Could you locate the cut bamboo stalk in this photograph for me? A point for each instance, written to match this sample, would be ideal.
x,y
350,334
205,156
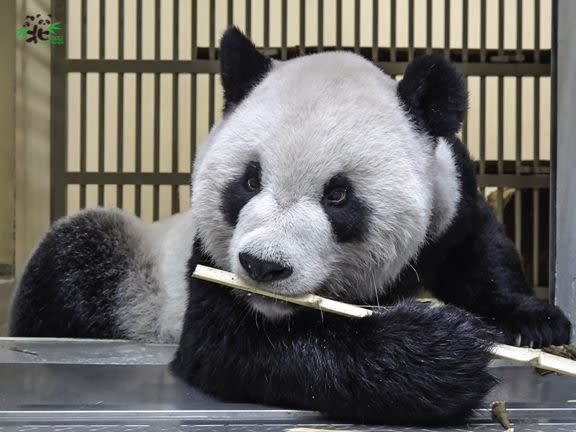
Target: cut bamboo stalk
x,y
310,300
527,356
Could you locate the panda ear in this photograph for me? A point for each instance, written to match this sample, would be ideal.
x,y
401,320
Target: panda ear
x,y
434,94
241,67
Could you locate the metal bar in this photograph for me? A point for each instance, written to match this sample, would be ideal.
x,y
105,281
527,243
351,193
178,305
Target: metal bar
x,y
284,31
193,121
536,193
540,181
465,122
138,135
392,31
447,27
554,124
230,12
156,155
482,138
302,27
500,165
194,21
519,28
266,23
101,100
320,25
565,154
500,27
410,30
357,26
83,103
212,56
212,66
58,127
537,31
518,162
483,31
338,24
248,18
120,125
193,94
127,178
375,30
465,32
175,91
428,26
494,180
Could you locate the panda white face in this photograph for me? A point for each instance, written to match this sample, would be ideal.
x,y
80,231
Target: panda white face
x,y
317,182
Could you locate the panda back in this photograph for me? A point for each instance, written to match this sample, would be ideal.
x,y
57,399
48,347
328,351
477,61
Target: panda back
x,y
89,277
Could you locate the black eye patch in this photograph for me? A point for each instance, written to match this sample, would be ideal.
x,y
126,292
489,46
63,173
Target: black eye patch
x,y
239,191
348,216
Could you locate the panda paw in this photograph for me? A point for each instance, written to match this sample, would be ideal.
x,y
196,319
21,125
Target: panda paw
x,y
535,323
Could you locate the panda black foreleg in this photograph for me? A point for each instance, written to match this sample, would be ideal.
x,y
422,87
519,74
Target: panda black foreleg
x,y
409,365
484,275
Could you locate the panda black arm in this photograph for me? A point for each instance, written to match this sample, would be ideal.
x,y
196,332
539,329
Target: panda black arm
x,y
484,275
411,364
474,265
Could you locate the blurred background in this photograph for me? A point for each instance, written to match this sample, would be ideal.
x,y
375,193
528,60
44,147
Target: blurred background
x,y
108,106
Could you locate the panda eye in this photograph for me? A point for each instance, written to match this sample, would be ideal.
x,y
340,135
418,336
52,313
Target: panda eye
x,y
336,196
253,184
252,177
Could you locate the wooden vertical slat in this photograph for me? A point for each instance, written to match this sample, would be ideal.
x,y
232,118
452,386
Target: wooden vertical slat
x,y
156,155
284,30
302,27
58,126
375,17
101,100
120,126
175,92
338,24
138,164
410,30
83,104
320,25
392,30
357,26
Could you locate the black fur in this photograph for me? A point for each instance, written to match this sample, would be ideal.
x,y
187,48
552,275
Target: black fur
x,y
237,194
475,266
241,66
411,364
434,94
349,220
71,280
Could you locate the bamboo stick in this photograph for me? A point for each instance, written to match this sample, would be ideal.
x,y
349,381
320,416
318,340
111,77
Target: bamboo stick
x,y
527,356
310,300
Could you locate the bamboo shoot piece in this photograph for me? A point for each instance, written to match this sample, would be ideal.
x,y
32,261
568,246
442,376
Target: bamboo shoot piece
x,y
528,356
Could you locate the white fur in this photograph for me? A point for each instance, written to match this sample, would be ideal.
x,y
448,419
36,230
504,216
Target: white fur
x,y
308,120
446,189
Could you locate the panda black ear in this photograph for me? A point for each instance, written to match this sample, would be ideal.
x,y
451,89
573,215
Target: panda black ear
x,y
434,93
241,66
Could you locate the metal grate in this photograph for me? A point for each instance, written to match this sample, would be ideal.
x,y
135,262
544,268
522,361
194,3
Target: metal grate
x,y
158,77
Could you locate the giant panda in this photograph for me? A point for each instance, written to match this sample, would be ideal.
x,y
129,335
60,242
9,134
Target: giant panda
x,y
324,176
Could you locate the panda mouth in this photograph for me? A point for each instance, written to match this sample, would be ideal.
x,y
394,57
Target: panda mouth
x,y
273,309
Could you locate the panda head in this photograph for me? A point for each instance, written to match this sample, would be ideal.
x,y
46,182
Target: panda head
x,y
325,175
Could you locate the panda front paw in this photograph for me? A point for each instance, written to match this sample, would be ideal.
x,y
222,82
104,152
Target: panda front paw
x,y
419,365
536,323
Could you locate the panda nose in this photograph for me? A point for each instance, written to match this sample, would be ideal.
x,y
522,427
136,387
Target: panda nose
x,y
263,271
